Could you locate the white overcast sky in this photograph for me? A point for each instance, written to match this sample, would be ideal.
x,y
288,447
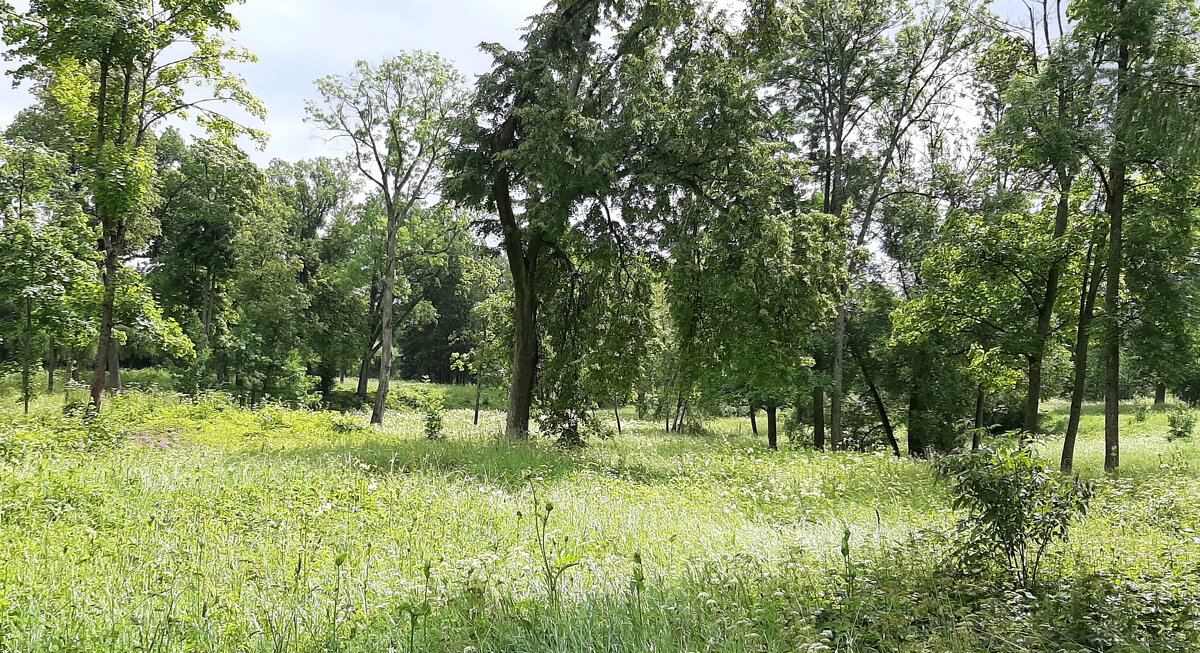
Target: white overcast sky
x,y
298,41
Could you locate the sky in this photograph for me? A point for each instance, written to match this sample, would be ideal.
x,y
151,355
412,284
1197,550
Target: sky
x,y
299,41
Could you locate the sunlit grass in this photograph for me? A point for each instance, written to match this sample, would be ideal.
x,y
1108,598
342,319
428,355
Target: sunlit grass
x,y
216,528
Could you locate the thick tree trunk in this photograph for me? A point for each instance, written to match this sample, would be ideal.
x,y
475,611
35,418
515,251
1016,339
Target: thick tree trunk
x,y
773,427
1160,394
114,370
1033,393
818,408
525,357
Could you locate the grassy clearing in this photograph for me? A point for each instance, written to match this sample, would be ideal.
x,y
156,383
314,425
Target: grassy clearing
x,y
170,526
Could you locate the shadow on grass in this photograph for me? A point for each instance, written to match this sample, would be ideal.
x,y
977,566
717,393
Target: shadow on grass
x,y
509,465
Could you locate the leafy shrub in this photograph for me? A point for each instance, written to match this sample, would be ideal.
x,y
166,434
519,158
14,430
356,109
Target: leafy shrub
x,y
433,404
1016,507
1181,423
345,424
1141,410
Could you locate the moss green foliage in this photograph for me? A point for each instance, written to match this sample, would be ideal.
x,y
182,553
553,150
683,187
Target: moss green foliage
x,y
174,524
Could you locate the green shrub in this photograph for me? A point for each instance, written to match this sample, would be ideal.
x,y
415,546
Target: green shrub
x,y
1181,423
1016,507
1141,410
433,404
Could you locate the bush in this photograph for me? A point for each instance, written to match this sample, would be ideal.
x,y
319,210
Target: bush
x,y
433,404
1181,422
1016,507
1141,410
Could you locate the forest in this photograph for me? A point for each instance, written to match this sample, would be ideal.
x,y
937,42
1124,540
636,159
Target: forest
x,y
688,325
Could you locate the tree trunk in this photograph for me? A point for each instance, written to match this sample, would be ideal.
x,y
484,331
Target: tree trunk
x,y
881,407
1088,293
1160,394
754,420
1115,207
525,357
114,370
835,396
364,374
773,427
1033,396
386,302
51,367
104,343
977,436
108,241
478,396
818,407
27,359
617,412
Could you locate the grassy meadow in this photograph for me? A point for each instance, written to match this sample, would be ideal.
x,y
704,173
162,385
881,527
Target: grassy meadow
x,y
178,525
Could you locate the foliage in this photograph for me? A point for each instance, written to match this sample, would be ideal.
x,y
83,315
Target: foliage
x,y
1181,421
1016,507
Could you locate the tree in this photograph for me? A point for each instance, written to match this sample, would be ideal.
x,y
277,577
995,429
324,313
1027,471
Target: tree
x,y
119,68
396,117
1146,82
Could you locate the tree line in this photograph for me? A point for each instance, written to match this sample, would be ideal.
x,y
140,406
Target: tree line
x,y
866,218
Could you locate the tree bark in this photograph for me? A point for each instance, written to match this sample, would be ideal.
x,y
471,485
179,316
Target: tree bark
x,y
818,407
881,407
835,395
1115,207
1033,396
104,340
773,427
1083,331
525,353
977,436
617,412
114,370
51,367
754,420
386,305
478,396
1160,394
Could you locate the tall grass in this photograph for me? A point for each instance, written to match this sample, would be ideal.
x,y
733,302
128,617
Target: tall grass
x,y
202,526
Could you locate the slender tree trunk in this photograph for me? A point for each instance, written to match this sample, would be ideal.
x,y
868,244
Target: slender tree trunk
x,y
818,407
754,419
1033,393
773,427
1033,396
1083,333
108,238
1115,207
27,363
881,407
835,395
478,396
385,328
977,436
51,367
1160,394
617,412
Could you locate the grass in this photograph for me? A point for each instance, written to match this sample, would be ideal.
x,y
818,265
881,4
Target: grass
x,y
169,525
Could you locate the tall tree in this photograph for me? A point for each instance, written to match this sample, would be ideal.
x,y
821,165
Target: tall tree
x,y
396,118
120,68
